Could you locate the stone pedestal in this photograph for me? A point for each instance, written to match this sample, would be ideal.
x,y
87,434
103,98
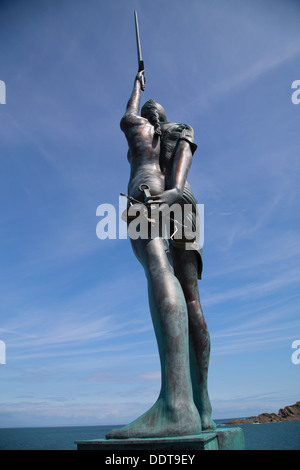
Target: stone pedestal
x,y
230,438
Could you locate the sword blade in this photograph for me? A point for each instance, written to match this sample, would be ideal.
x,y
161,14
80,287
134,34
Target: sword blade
x,y
138,43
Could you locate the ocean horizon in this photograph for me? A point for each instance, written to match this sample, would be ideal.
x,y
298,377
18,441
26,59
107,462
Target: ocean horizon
x,y
266,436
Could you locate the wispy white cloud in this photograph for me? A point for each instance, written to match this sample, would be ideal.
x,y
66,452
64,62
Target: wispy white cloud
x,y
255,290
153,375
257,69
243,74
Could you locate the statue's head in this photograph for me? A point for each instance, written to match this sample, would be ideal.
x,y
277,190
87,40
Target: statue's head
x,y
151,109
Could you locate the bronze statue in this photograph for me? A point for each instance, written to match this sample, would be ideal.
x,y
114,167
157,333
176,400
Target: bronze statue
x,y
160,155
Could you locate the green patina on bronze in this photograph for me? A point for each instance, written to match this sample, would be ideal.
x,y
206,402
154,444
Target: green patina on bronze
x,y
220,439
160,155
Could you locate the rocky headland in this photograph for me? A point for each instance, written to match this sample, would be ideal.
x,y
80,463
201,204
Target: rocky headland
x,y
288,413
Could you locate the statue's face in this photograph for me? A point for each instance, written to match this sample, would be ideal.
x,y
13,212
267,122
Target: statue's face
x,y
162,113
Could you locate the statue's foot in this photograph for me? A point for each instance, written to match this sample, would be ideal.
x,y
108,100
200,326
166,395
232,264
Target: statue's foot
x,y
205,409
161,421
207,423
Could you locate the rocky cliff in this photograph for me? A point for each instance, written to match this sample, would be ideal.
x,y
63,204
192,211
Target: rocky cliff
x,y
288,413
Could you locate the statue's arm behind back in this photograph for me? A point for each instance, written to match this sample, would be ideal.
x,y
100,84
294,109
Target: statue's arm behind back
x,y
182,161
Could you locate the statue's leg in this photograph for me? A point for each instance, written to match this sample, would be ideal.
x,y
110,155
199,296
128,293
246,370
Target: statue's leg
x,y
174,412
185,264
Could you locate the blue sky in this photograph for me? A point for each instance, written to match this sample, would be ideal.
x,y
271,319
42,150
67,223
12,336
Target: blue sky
x,y
80,348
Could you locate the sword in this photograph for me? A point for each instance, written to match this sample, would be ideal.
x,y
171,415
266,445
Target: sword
x,y
139,50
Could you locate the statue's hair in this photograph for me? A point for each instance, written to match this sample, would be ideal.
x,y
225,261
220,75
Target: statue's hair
x,y
157,128
155,113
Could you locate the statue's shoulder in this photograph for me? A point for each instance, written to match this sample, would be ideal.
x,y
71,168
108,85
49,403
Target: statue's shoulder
x,y
130,119
178,129
173,132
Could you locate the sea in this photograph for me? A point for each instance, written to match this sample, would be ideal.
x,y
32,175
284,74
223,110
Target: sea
x,y
266,436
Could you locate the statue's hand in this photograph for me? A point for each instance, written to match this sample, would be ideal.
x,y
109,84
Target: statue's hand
x,y
142,79
168,197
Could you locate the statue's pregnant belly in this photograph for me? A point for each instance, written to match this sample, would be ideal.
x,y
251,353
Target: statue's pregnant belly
x,y
155,181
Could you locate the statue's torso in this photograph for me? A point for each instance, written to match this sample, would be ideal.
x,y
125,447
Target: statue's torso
x,y
143,156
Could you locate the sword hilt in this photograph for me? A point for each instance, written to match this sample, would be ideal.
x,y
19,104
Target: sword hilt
x,y
146,190
141,66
